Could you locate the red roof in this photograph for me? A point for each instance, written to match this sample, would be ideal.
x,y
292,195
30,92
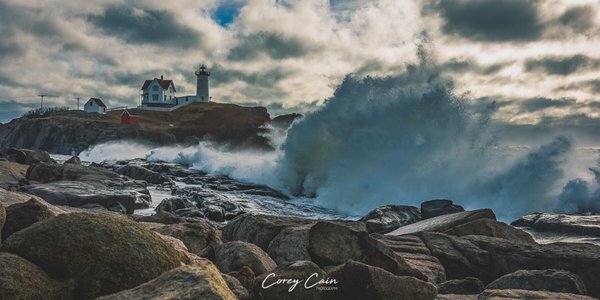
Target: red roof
x,y
127,112
163,83
98,101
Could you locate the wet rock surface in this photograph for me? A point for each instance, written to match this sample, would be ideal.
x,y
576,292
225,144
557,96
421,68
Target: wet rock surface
x,y
245,230
389,217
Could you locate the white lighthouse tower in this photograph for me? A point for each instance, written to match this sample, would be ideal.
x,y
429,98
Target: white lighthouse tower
x,y
202,84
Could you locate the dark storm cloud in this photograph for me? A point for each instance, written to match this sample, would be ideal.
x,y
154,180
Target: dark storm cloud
x,y
536,104
579,17
561,65
274,45
490,20
16,20
150,27
469,65
588,85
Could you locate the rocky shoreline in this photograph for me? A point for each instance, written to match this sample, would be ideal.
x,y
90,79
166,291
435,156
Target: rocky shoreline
x,y
68,232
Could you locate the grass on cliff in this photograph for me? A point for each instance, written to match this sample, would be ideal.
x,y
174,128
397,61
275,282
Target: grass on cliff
x,y
208,116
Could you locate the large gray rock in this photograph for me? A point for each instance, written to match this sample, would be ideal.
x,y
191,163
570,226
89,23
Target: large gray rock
x,y
414,252
195,235
44,172
259,229
444,222
389,217
20,279
2,220
438,207
172,204
538,280
492,228
77,194
141,173
291,244
199,281
304,272
23,215
466,286
356,280
25,156
233,256
489,258
103,253
331,244
529,295
550,222
240,292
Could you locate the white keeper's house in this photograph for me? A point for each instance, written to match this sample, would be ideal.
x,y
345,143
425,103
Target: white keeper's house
x,y
160,93
95,105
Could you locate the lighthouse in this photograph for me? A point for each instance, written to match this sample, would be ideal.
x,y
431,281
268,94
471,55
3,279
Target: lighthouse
x,y
202,84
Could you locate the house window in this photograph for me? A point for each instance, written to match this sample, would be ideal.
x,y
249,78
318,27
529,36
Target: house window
x,y
202,98
91,103
165,98
155,97
155,88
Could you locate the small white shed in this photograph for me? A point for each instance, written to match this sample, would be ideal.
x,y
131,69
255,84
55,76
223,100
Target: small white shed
x,y
95,105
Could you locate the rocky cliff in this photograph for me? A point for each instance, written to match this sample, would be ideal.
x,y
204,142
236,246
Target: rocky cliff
x,y
73,131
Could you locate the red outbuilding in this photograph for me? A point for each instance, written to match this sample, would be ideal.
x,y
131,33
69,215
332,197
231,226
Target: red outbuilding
x,y
128,118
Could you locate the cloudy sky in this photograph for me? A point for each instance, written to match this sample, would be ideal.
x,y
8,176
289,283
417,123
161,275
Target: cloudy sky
x,y
537,61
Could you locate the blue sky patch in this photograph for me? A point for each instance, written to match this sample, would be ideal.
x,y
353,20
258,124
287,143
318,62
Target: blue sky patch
x,y
227,12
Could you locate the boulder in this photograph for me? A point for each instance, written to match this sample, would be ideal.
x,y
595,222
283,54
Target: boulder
x,y
141,173
73,160
414,252
438,207
530,295
232,256
20,279
549,222
489,258
355,280
259,229
12,174
173,204
44,172
77,193
331,244
23,215
466,286
191,212
196,236
104,254
236,287
538,280
214,213
183,253
25,156
389,217
2,221
162,217
199,281
245,276
291,244
444,222
296,277
489,227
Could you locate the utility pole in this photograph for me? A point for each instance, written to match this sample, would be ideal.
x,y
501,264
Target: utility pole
x,y
42,99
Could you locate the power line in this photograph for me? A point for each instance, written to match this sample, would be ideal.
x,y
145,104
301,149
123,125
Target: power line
x,y
18,97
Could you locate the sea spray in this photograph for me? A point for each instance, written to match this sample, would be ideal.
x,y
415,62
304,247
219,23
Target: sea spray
x,y
400,139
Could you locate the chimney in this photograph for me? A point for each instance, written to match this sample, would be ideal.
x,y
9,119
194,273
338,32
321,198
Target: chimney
x,y
161,78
